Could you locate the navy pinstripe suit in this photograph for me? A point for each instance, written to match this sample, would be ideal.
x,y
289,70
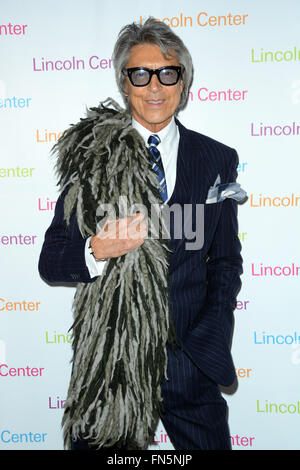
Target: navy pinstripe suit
x,y
203,288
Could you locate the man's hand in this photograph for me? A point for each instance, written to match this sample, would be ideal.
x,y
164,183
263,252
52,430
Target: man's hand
x,y
119,236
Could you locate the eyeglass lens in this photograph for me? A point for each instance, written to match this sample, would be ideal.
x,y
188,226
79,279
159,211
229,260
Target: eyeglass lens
x,y
166,76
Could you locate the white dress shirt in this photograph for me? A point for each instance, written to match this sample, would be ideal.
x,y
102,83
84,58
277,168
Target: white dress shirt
x,y
168,147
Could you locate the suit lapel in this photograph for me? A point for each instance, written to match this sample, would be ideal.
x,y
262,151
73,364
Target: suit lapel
x,y
191,182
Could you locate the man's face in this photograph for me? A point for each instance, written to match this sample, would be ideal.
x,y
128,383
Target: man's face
x,y
152,105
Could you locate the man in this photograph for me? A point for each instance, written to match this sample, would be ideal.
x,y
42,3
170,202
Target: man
x,y
154,73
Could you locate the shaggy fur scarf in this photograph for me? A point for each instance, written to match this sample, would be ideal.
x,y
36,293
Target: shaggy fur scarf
x,y
122,320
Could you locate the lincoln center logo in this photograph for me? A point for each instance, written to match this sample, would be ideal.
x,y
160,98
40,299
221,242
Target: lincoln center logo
x,y
203,19
13,29
72,63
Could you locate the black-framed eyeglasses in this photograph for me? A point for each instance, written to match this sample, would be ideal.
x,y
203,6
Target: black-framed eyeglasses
x,y
141,76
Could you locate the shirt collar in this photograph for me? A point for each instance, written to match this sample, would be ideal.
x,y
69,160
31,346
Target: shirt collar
x,y
167,135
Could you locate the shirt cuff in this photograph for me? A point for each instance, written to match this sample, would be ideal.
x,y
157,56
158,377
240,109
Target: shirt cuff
x,y
95,268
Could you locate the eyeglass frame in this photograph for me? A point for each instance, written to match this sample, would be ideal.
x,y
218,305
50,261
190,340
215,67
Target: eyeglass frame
x,y
156,72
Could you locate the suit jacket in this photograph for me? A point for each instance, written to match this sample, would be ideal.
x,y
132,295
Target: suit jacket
x,y
203,282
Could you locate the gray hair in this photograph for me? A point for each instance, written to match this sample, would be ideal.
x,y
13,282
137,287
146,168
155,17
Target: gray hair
x,y
153,32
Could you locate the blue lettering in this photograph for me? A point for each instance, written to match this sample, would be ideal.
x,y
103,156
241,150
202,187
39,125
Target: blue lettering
x,y
277,339
2,436
14,103
255,339
8,436
264,338
241,167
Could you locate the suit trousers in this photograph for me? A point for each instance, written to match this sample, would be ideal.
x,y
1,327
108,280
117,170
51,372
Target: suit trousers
x,y
195,413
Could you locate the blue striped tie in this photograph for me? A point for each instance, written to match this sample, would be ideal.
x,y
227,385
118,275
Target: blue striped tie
x,y
157,166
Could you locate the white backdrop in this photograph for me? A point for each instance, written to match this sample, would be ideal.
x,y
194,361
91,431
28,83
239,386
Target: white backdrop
x,y
249,47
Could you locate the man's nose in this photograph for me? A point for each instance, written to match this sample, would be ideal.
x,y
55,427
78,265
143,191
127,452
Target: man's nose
x,y
154,83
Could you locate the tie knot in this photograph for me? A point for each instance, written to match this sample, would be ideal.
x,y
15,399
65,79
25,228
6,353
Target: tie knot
x,y
153,139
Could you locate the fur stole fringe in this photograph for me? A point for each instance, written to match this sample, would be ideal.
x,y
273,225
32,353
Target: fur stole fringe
x,y
122,320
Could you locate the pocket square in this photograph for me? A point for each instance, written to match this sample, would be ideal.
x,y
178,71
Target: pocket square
x,y
218,192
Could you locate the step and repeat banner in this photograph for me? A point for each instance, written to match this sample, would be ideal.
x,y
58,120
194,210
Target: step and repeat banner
x,y
55,61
